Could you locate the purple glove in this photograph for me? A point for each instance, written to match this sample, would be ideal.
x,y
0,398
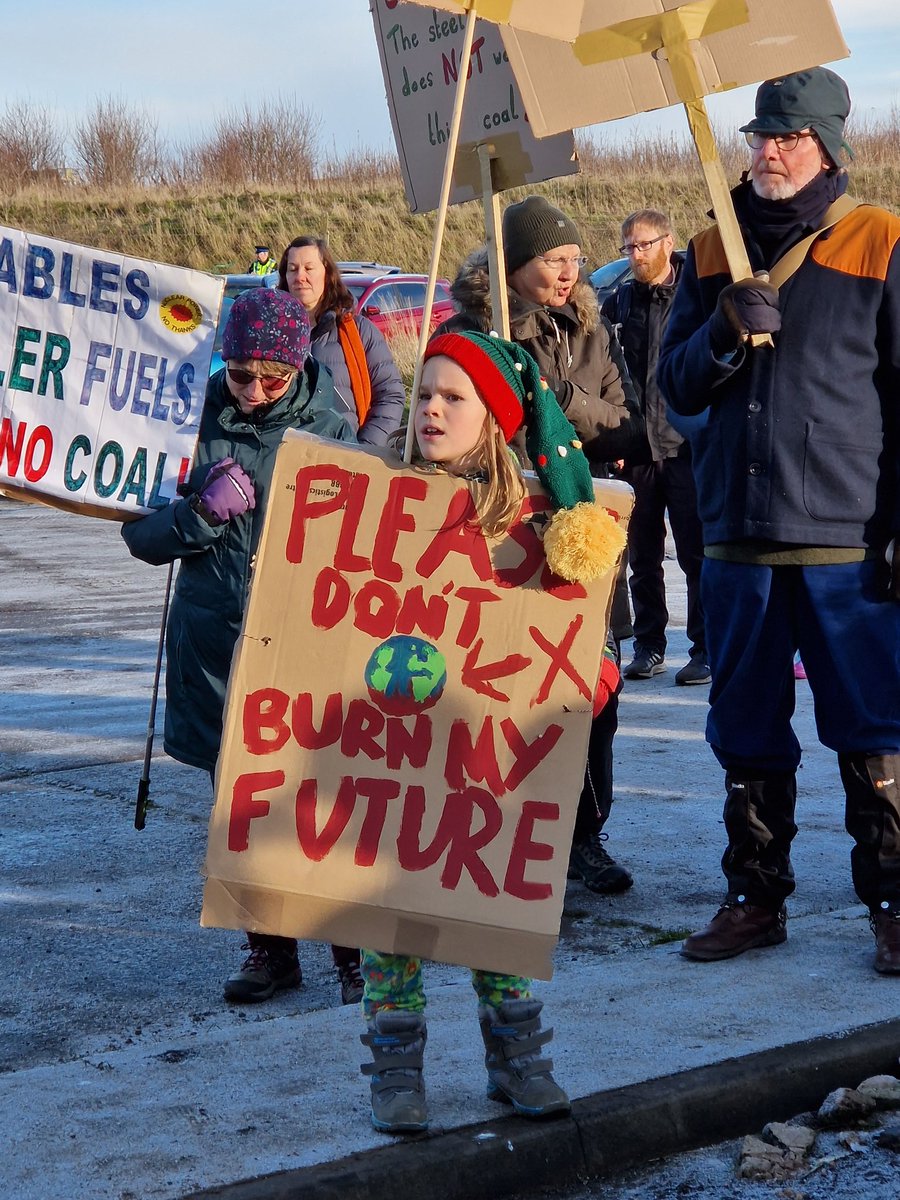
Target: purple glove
x,y
747,306
227,492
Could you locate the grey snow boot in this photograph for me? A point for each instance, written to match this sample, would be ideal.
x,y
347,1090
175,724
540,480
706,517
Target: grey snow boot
x,y
517,1074
397,1041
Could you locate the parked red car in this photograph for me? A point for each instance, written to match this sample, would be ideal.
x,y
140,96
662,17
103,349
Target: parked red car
x,y
394,302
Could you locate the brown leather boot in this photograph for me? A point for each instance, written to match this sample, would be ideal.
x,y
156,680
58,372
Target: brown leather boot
x,y
885,924
736,927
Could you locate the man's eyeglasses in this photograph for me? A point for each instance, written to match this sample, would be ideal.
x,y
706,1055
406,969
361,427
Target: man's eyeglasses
x,y
558,264
270,384
630,247
784,141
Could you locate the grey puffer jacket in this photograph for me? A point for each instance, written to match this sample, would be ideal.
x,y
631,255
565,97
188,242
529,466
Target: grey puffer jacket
x,y
211,587
572,348
388,394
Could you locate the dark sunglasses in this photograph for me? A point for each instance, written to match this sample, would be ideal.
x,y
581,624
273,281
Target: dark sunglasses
x,y
270,384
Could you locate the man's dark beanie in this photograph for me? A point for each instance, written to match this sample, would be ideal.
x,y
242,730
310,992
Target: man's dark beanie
x,y
532,227
816,99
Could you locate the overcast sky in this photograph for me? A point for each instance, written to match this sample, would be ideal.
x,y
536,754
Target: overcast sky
x,y
184,61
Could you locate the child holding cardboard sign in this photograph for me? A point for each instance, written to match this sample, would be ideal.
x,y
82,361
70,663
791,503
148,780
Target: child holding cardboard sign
x,y
477,392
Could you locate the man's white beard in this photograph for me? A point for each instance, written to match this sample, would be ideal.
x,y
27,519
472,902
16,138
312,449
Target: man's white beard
x,y
774,187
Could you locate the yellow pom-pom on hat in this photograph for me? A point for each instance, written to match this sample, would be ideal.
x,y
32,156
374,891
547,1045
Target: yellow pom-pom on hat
x,y
583,543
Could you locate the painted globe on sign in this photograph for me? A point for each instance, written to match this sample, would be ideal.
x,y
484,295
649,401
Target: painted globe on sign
x,y
405,675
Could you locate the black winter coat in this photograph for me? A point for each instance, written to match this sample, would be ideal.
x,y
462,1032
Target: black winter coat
x,y
639,314
214,572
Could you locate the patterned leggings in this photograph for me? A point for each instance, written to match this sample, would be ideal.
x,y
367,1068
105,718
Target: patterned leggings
x,y
395,981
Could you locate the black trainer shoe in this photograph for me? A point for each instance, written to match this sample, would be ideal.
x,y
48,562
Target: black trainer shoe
x,y
645,664
696,671
263,972
589,862
352,985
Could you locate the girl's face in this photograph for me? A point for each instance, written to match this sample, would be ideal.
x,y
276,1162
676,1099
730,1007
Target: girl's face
x,y
305,275
449,413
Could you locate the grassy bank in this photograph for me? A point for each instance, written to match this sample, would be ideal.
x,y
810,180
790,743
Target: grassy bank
x,y
366,216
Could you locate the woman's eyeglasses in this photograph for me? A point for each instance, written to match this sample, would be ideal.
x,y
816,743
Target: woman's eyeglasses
x,y
630,247
270,384
559,264
784,141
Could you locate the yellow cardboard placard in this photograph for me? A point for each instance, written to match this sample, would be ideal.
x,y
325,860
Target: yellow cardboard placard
x,y
668,52
561,19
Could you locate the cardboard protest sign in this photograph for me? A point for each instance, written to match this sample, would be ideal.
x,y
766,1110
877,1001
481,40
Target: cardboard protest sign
x,y
420,56
561,19
103,366
622,61
407,719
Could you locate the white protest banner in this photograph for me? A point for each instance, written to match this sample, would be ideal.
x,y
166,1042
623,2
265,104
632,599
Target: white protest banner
x,y
420,56
407,719
103,366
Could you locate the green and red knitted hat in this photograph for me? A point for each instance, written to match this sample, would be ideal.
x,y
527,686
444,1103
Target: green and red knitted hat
x,y
582,540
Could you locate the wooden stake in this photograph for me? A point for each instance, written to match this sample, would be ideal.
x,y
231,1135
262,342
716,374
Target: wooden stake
x,y
494,241
723,205
440,223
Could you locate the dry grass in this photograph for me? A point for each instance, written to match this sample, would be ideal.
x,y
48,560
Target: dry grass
x,y
357,203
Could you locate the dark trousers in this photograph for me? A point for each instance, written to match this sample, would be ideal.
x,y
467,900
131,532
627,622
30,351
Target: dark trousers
x,y
342,956
661,487
848,634
596,797
620,625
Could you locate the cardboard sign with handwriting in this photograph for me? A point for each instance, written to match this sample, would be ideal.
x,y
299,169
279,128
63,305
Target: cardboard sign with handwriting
x,y
420,60
407,719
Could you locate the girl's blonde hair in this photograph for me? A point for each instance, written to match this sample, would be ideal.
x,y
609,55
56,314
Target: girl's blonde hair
x,y
491,472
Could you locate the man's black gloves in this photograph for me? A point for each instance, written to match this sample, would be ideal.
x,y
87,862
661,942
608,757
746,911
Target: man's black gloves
x,y
745,307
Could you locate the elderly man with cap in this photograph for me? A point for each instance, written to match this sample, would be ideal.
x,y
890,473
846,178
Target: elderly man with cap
x,y
553,313
797,466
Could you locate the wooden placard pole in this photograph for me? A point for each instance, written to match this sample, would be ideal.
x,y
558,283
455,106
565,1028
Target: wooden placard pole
x,y
719,191
677,44
494,242
673,33
440,223
722,204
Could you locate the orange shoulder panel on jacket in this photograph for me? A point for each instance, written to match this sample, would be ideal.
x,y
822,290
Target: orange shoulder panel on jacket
x,y
861,244
709,253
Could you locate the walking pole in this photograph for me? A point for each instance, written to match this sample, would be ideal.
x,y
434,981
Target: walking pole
x,y
143,792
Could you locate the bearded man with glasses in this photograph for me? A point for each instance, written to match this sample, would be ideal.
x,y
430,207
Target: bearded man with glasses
x,y
659,468
798,477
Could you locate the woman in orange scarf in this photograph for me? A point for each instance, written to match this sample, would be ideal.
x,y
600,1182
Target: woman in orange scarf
x,y
366,378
